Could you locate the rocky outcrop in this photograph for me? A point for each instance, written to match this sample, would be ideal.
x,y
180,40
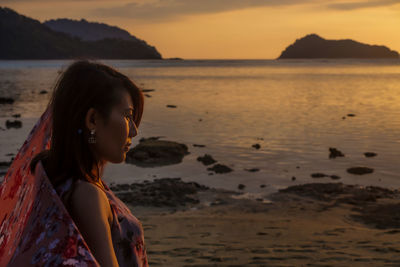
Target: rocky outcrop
x,y
152,152
313,46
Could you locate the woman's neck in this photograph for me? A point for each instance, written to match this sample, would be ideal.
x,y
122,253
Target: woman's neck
x,y
97,171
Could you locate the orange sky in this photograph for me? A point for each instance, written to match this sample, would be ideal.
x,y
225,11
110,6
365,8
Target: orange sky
x,y
230,29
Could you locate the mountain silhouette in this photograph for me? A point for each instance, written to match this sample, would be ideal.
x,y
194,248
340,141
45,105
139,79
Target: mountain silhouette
x,y
26,38
88,31
313,46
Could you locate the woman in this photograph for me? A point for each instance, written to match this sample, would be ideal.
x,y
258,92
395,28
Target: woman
x,y
93,115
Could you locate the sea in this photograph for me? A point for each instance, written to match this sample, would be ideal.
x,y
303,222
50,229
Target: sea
x,y
295,110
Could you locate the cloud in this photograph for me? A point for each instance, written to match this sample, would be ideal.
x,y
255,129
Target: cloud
x,y
163,9
363,4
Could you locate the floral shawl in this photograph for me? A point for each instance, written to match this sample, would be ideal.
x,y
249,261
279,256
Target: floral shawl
x,y
35,227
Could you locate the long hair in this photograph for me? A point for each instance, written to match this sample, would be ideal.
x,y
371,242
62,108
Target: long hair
x,y
84,84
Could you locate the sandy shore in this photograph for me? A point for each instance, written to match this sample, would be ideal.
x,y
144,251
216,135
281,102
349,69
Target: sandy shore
x,y
306,225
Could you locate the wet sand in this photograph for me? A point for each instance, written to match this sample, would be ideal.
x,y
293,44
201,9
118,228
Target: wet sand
x,y
307,225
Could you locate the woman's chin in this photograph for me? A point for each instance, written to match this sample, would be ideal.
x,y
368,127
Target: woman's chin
x,y
119,160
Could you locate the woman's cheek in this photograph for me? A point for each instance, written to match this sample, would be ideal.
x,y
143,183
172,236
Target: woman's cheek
x,y
123,131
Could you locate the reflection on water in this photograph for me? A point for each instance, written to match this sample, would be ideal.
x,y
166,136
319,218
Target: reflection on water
x,y
294,109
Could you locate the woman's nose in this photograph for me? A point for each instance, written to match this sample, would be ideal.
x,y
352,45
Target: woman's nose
x,y
133,131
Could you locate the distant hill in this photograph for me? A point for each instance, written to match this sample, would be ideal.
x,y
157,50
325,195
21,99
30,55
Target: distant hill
x,y
25,38
313,46
88,31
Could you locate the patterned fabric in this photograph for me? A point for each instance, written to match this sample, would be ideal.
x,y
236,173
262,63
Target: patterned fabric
x,y
126,230
35,226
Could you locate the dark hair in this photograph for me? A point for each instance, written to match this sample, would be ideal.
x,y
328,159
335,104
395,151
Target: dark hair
x,y
84,84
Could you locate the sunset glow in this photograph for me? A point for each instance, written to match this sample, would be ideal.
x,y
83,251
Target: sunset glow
x,y
230,29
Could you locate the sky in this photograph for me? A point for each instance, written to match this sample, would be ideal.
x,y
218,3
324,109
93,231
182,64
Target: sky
x,y
230,29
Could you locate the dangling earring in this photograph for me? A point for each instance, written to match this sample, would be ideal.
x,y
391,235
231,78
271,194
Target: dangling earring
x,y
92,138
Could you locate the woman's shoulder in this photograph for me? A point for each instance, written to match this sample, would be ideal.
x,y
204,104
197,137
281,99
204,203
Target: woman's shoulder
x,y
88,198
85,191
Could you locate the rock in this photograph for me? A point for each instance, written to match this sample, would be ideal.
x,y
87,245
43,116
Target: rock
x,y
5,163
170,192
351,115
120,187
152,152
43,92
293,178
318,175
340,192
252,170
6,100
335,153
369,154
321,175
360,170
206,159
147,95
381,216
148,90
13,124
376,206
256,146
16,115
219,168
171,106
241,186
195,145
262,185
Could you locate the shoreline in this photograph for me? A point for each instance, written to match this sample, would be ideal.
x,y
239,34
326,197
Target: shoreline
x,y
313,224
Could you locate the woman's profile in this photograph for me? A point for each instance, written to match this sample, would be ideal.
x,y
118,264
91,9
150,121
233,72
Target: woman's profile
x,y
67,215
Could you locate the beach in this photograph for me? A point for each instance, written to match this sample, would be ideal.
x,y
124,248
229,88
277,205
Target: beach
x,y
305,158
308,225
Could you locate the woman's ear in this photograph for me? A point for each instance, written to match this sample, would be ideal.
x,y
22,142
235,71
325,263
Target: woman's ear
x,y
91,119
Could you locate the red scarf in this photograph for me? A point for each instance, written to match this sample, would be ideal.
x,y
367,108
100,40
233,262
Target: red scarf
x,y
35,227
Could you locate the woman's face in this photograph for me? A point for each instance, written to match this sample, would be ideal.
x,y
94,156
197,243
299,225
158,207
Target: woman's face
x,y
114,138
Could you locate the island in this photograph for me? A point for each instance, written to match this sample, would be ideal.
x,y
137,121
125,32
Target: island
x,y
26,38
314,46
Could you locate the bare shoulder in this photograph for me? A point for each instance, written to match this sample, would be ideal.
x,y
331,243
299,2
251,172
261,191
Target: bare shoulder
x,y
89,199
91,212
86,191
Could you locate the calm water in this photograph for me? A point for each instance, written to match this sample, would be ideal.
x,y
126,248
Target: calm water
x,y
293,109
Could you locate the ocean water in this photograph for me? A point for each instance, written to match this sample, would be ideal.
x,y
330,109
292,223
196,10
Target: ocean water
x,y
294,109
